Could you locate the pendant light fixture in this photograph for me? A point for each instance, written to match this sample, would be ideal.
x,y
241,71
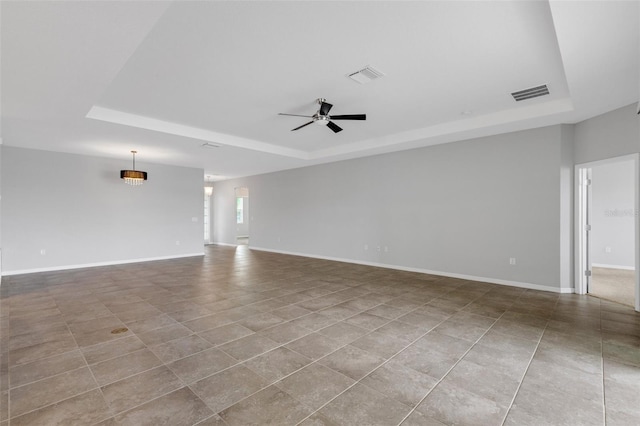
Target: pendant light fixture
x,y
133,177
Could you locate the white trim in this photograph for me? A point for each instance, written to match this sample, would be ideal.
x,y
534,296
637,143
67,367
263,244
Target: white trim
x,y
604,265
93,265
581,197
128,119
426,271
579,246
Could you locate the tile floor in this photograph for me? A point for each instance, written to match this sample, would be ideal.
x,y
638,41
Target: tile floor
x,y
241,337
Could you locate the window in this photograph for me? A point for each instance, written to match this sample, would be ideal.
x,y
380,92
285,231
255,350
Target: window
x,y
239,210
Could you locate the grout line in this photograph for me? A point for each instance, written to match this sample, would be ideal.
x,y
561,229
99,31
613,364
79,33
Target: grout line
x,y
72,396
604,388
389,359
526,370
415,407
324,356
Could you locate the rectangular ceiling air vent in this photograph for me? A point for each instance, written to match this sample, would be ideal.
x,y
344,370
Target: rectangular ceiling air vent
x,y
533,92
365,75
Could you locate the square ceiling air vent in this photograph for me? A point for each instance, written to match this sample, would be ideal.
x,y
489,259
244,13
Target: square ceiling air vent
x,y
533,92
365,75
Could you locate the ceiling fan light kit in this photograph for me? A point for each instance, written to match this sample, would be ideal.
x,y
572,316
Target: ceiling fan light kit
x,y
322,117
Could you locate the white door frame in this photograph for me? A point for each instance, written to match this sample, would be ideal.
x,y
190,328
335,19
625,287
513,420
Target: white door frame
x,y
583,228
581,249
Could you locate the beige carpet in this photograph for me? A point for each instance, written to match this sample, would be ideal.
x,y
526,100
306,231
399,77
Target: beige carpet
x,y
616,285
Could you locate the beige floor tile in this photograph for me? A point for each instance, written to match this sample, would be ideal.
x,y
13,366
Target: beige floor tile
x,y
136,390
416,418
50,390
399,382
214,420
261,321
179,408
546,405
150,323
367,321
452,404
180,348
87,408
277,363
40,336
314,346
190,314
315,385
511,363
202,364
401,330
314,322
225,334
380,344
163,335
207,323
352,362
124,366
47,367
284,333
271,406
317,420
248,347
386,311
339,312
421,320
116,348
361,405
228,387
343,333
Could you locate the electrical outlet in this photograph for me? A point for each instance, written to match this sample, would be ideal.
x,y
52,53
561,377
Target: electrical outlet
x,y
43,251
194,219
177,243
366,247
512,261
607,249
386,249
378,248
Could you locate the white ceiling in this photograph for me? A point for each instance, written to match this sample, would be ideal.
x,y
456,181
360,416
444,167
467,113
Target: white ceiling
x,y
102,78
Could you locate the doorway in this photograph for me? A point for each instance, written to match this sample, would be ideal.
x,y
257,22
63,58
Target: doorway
x,y
242,216
608,230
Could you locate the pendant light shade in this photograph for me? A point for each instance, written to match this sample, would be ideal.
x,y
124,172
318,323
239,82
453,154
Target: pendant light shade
x,y
133,177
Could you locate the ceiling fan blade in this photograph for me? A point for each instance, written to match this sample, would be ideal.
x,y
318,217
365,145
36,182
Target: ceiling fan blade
x,y
325,108
295,115
300,127
334,127
349,117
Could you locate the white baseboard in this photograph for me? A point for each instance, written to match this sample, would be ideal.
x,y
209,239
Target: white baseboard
x,y
428,271
604,265
92,265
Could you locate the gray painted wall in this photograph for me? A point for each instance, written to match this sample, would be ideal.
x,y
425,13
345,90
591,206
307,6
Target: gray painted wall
x,y
613,209
458,208
79,210
0,211
609,135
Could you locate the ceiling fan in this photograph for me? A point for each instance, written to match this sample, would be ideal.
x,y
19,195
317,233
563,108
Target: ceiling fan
x,y
322,117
